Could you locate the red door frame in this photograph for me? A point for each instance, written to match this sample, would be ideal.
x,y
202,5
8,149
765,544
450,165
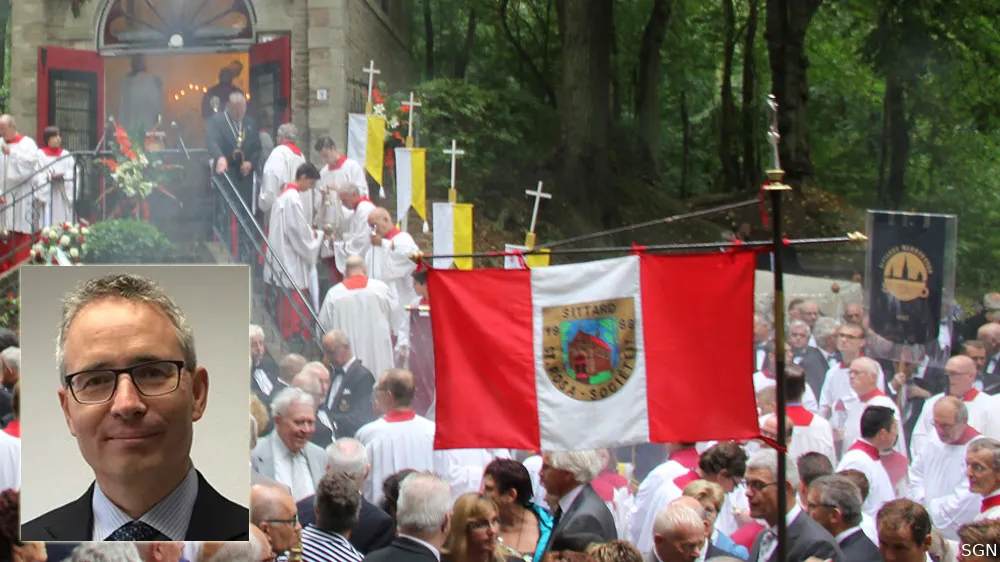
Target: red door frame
x,y
70,61
277,51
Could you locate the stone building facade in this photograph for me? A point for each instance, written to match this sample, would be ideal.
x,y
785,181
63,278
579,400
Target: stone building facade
x,y
331,42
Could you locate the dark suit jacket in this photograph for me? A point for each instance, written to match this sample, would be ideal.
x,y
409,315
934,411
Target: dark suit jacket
x,y
714,551
374,529
214,519
270,369
402,550
991,384
352,405
815,366
805,538
587,514
859,548
222,142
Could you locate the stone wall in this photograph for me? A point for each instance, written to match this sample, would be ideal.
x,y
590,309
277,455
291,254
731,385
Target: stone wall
x,y
381,36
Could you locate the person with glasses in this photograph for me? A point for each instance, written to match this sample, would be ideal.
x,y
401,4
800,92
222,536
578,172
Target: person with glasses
x,y
961,372
863,379
273,511
711,497
805,537
983,469
475,530
835,503
879,432
765,378
837,385
131,391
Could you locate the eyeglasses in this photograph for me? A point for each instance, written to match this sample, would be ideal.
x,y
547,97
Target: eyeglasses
x,y
293,521
153,378
484,524
757,485
850,337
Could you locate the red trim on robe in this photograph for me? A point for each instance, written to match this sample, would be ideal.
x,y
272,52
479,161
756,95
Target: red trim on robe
x,y
866,448
685,479
355,282
424,302
288,187
291,146
970,395
896,465
393,416
688,458
290,320
989,503
336,165
51,152
392,233
869,395
606,483
17,138
767,373
969,434
839,406
361,200
14,428
799,415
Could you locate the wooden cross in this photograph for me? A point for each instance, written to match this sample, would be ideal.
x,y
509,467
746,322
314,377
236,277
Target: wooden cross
x,y
371,71
409,131
455,153
538,194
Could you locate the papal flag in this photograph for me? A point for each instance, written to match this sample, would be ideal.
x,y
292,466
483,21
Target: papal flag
x,y
452,234
366,142
530,260
411,183
599,354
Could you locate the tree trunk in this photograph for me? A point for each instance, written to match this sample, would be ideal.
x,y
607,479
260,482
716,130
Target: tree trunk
x,y
647,101
727,120
787,24
899,142
585,111
685,144
751,135
462,60
428,42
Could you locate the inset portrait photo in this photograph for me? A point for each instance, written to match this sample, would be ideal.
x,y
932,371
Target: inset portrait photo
x,y
134,403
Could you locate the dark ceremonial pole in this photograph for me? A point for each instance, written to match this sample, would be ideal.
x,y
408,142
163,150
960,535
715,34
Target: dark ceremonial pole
x,y
775,187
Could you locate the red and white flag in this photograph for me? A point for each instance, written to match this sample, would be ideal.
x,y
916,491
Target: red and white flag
x,y
608,353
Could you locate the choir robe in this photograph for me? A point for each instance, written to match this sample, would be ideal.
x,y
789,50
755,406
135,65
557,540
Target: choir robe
x,y
279,171
58,194
938,481
680,462
463,468
297,246
847,416
990,507
764,379
992,421
863,456
837,386
345,172
18,166
976,402
357,237
362,308
392,265
668,491
400,439
812,433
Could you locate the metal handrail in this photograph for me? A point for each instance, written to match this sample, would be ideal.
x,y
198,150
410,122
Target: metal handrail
x,y
260,248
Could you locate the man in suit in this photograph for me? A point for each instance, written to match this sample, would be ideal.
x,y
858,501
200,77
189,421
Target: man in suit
x,y
679,535
805,537
263,369
234,146
309,381
835,503
286,454
904,531
816,361
374,528
349,403
135,431
423,516
272,510
707,548
566,476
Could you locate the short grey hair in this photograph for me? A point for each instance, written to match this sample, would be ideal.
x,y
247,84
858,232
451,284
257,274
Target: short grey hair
x,y
350,189
132,288
824,329
839,492
256,331
289,396
12,358
799,324
349,455
767,459
424,503
240,551
307,381
315,367
106,552
584,465
675,517
237,96
288,131
987,444
961,410
871,366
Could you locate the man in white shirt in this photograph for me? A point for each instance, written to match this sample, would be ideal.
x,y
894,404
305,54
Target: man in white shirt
x,y
983,469
937,475
879,432
961,371
837,386
344,171
280,169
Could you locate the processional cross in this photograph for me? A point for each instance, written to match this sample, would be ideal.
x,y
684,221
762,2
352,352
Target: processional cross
x,y
409,130
371,71
455,153
538,194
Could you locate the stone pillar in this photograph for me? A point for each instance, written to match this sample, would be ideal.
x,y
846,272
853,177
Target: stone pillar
x,y
28,32
327,40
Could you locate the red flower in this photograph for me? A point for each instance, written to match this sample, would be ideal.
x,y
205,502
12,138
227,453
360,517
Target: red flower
x,y
80,239
10,296
397,136
405,109
54,261
66,226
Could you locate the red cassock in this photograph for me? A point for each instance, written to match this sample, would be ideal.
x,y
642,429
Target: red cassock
x,y
292,313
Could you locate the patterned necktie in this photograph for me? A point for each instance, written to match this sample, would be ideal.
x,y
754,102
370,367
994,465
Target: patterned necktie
x,y
767,544
135,531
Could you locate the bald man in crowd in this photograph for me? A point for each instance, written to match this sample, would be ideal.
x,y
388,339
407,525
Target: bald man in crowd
x,y
391,263
961,371
272,510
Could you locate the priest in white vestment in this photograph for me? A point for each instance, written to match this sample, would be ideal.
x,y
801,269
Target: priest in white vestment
x,y
391,263
361,307
837,385
296,245
961,371
22,208
279,171
56,181
400,438
864,393
329,209
937,475
343,171
357,233
984,476
879,432
812,433
682,458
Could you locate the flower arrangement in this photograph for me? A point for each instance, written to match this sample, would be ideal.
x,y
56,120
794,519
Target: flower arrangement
x,y
134,171
396,118
68,237
10,310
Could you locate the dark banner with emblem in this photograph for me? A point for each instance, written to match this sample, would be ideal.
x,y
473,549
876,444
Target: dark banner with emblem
x,y
906,275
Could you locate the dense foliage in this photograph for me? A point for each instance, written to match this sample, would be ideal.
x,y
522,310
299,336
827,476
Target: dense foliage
x,y
127,242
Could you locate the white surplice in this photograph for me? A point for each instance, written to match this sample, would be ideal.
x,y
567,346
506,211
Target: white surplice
x,y
880,490
837,386
977,403
329,209
346,172
938,481
363,313
396,441
667,492
812,434
15,169
279,171
646,494
463,468
992,421
58,194
10,462
849,418
762,380
357,237
392,265
991,513
292,241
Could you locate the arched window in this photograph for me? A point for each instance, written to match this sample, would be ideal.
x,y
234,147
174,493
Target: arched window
x,y
161,24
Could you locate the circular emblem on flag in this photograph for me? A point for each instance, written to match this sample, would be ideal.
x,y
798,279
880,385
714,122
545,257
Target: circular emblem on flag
x,y
589,348
905,271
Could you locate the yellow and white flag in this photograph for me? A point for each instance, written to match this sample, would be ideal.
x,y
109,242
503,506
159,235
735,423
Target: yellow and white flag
x,y
531,260
453,234
366,143
411,183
